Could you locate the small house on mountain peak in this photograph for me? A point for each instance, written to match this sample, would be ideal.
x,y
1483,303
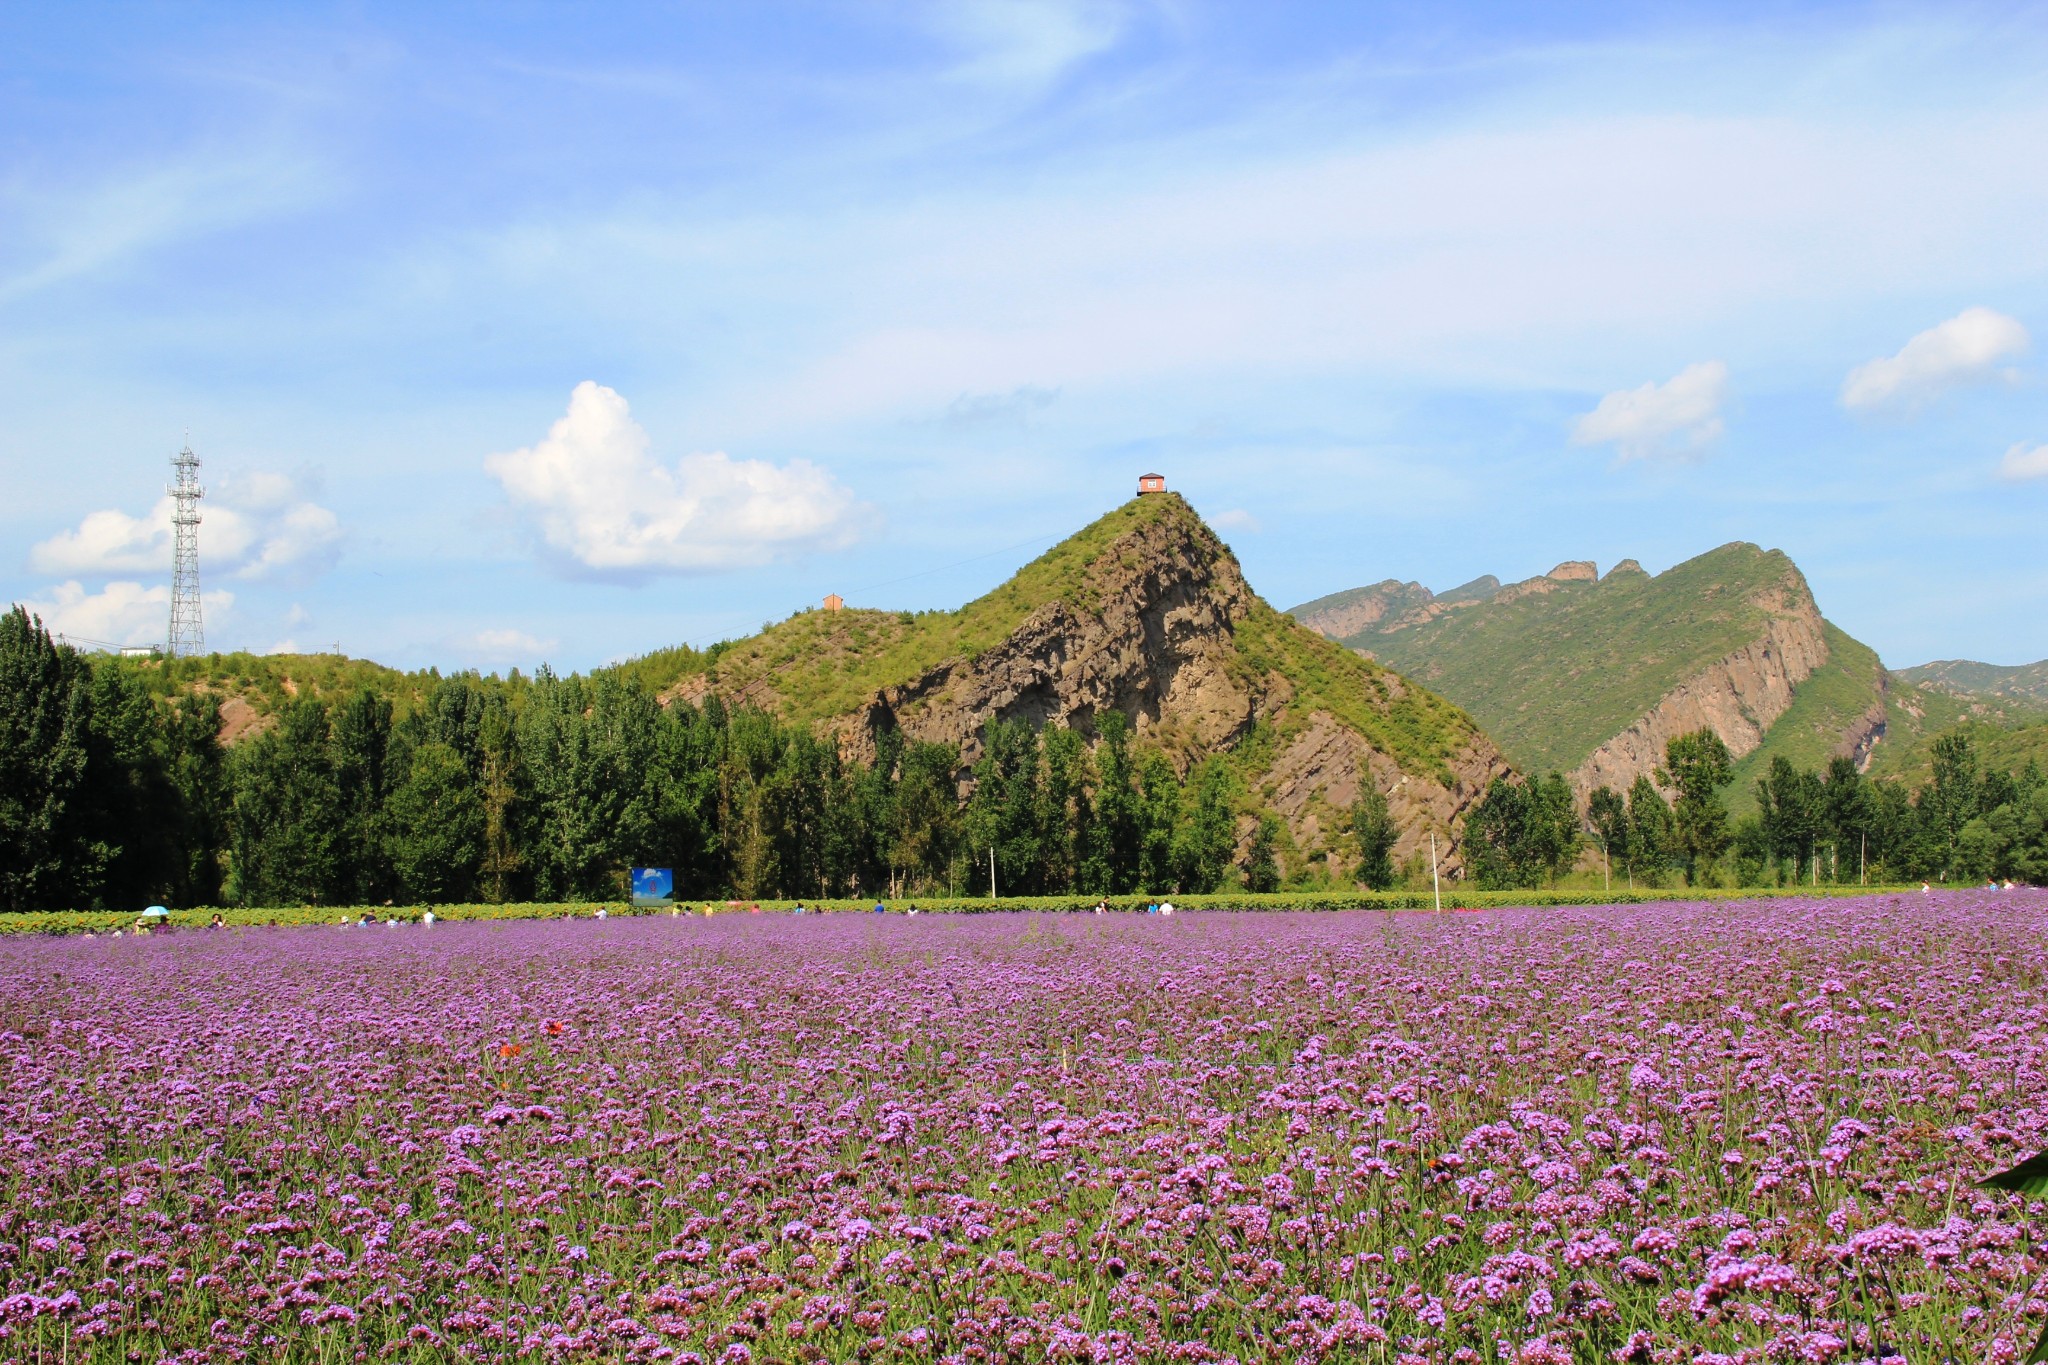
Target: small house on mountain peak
x,y
833,601
1151,483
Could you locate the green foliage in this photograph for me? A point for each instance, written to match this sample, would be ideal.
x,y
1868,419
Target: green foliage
x,y
1262,861
435,822
1697,766
1372,825
1521,834
1829,704
1554,674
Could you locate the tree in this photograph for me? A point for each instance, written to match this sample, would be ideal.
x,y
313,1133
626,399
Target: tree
x,y
435,838
1207,838
1158,822
362,748
1372,825
287,811
1607,813
1652,830
43,734
1792,808
1553,829
1948,802
1497,837
1697,766
1111,861
1262,860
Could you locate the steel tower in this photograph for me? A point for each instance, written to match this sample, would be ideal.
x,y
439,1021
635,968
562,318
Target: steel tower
x,y
188,631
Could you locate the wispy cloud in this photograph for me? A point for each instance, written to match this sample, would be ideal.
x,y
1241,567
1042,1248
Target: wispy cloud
x,y
603,504
2025,461
1026,44
1679,418
1968,348
56,233
1015,408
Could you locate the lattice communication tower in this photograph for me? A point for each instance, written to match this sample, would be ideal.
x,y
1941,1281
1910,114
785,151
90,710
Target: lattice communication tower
x,y
188,631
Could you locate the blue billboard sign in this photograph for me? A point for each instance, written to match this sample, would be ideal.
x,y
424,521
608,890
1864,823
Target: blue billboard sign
x,y
654,886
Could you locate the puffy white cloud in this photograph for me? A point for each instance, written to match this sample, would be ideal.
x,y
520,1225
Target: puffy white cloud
x,y
602,502
254,526
122,613
2025,462
1237,518
1965,349
1680,417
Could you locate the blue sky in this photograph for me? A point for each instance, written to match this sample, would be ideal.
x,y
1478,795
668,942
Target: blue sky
x,y
516,333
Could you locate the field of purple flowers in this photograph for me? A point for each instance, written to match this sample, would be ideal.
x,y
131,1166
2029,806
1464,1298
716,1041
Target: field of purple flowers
x,y
1732,1131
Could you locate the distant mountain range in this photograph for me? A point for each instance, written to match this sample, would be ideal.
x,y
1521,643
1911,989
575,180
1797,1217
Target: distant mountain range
x,y
2021,685
1590,675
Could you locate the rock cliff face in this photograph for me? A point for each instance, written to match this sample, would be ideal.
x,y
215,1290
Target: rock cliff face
x,y
1739,697
1158,649
1161,626
1592,676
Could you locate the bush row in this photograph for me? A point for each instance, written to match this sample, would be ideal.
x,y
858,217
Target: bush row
x,y
78,921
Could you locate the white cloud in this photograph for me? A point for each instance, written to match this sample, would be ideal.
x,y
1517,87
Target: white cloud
x,y
1237,518
507,644
254,526
1015,408
2025,462
121,613
601,501
1680,417
1965,349
1026,44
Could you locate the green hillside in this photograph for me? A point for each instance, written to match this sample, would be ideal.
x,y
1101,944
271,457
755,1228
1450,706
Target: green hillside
x,y
267,681
1553,675
1824,707
820,665
2021,687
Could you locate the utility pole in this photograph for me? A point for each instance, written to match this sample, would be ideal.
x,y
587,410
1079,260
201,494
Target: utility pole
x,y
188,631
991,871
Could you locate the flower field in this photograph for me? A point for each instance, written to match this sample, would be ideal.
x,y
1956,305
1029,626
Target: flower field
x,y
1739,1130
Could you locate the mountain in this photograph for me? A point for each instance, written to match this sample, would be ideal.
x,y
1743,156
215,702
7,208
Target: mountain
x,y
2022,688
1144,612
1591,675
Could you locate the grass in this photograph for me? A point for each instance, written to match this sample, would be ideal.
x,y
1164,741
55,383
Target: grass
x,y
1554,675
818,665
1823,709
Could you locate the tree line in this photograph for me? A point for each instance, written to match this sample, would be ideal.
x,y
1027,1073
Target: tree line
x,y
546,789
1965,822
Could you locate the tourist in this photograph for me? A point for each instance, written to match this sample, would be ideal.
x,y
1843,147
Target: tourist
x,y
1102,906
599,913
1166,907
427,918
913,908
216,922
799,908
878,907
1152,907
